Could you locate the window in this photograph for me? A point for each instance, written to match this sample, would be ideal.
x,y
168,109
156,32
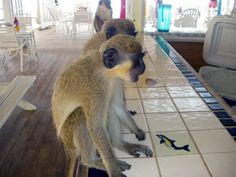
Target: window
x,y
1,11
187,15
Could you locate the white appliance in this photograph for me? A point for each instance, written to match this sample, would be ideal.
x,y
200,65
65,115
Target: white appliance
x,y
220,52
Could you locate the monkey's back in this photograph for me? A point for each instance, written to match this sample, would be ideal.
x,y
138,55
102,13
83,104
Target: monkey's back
x,y
77,86
94,42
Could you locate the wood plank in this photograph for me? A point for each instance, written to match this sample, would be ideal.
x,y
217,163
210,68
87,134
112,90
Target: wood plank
x,y
28,142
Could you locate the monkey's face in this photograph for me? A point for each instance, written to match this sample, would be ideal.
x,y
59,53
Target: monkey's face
x,y
125,66
138,66
128,30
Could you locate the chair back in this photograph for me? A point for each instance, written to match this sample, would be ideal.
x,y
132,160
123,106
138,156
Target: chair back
x,y
220,42
189,17
53,13
81,16
8,38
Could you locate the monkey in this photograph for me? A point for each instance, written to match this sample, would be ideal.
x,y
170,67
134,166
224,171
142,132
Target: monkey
x,y
111,28
103,13
81,105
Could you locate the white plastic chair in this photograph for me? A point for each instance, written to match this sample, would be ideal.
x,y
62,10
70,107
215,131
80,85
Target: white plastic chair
x,y
59,18
10,46
189,18
82,17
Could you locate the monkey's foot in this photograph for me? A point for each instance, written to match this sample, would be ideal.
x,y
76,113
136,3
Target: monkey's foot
x,y
132,112
123,165
136,148
140,135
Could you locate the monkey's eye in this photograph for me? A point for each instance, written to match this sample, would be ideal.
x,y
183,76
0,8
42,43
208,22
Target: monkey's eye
x,y
133,33
110,57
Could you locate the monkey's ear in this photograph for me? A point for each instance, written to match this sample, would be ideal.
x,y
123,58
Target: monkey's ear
x,y
110,58
111,31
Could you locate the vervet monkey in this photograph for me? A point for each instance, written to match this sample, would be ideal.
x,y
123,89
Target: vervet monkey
x,y
84,106
111,28
102,14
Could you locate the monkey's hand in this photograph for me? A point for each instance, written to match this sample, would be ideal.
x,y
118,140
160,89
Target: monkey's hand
x,y
140,135
122,165
134,150
132,112
118,175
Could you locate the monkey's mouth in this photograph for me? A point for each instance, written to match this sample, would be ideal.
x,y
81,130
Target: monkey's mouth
x,y
134,79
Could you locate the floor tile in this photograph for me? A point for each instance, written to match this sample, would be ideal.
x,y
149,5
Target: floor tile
x,y
210,141
142,167
131,93
180,92
180,143
175,81
190,104
183,166
129,84
149,74
166,66
170,73
149,66
142,82
221,164
165,122
158,105
132,139
134,105
159,92
140,121
201,120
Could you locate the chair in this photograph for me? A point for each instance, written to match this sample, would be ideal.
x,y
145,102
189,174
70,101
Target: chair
x,y
189,17
10,46
60,18
11,95
82,17
219,52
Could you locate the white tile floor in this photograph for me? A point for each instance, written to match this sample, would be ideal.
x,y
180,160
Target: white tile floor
x,y
171,109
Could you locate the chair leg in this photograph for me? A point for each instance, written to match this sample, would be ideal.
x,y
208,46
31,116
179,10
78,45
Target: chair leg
x,y
26,105
21,60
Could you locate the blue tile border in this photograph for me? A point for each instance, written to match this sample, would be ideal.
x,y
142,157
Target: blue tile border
x,y
209,99
228,122
215,106
232,131
222,114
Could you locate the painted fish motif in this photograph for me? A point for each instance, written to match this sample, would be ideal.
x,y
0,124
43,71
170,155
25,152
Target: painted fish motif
x,y
171,143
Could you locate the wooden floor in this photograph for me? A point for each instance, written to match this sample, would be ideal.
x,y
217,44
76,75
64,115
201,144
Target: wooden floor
x,y
28,143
